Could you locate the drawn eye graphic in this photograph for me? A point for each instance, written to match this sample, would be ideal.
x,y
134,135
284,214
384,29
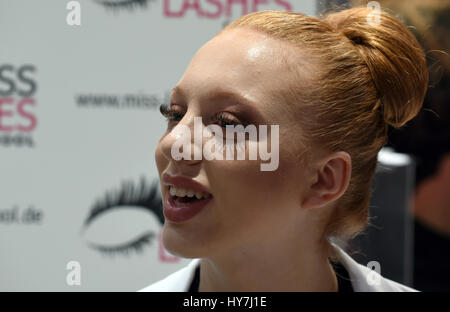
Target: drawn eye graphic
x,y
137,244
133,212
124,4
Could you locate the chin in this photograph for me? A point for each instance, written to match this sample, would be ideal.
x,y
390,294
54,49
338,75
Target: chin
x,y
178,244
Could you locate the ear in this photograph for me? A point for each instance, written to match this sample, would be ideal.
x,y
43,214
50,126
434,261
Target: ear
x,y
330,181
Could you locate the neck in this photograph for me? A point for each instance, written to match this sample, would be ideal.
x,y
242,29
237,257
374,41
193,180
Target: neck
x,y
274,268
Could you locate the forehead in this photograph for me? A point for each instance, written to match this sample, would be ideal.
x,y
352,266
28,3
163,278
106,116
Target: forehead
x,y
245,60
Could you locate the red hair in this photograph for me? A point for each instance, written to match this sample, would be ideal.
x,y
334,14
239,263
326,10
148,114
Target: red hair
x,y
366,77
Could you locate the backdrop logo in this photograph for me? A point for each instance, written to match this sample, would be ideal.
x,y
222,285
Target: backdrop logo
x,y
17,102
124,4
20,215
218,8
139,100
125,202
211,9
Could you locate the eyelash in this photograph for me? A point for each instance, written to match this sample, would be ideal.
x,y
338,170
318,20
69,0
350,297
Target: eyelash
x,y
143,195
124,4
171,114
137,245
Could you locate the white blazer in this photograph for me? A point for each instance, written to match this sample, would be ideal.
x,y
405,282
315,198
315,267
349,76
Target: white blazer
x,y
180,280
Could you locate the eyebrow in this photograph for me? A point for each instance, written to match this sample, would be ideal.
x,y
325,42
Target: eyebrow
x,y
226,95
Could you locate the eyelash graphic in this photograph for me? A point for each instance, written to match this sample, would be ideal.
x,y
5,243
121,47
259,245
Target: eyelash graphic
x,y
171,114
137,245
124,4
144,196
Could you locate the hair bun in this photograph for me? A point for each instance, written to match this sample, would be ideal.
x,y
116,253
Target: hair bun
x,y
394,58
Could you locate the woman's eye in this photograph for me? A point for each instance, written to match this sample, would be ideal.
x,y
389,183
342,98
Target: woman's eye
x,y
222,119
170,113
174,116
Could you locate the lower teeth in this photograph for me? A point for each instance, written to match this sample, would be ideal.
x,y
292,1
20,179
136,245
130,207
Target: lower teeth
x,y
185,199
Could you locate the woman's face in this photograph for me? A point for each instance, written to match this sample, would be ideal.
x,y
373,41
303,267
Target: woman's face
x,y
249,207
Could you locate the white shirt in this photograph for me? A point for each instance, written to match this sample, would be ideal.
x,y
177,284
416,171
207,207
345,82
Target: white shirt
x,y
180,280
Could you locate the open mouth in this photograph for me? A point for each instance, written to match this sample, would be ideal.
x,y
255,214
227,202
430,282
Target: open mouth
x,y
183,197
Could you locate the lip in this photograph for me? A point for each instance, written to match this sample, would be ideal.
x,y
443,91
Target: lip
x,y
183,182
180,213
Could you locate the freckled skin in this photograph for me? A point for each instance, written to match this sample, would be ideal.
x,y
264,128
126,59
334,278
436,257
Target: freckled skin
x,y
254,215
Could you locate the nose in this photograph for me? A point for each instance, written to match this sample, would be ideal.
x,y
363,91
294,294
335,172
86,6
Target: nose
x,y
183,142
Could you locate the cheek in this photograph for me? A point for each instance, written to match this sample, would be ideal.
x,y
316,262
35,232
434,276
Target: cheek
x,y
245,194
249,202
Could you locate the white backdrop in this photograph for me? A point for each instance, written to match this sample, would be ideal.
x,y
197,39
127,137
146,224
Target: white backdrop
x,y
78,129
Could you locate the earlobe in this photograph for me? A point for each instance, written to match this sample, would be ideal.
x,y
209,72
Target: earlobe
x,y
331,181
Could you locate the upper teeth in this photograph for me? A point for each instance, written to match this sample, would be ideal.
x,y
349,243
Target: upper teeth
x,y
181,192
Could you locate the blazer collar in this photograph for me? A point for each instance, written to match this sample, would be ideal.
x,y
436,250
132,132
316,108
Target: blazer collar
x,y
363,279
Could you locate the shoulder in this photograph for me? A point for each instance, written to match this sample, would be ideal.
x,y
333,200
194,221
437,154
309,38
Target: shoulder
x,y
364,279
178,281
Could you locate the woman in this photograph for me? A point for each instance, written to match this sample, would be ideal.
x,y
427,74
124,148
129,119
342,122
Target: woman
x,y
332,86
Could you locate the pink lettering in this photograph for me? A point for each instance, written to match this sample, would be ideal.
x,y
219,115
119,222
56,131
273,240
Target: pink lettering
x,y
169,13
4,113
218,7
188,5
26,115
218,12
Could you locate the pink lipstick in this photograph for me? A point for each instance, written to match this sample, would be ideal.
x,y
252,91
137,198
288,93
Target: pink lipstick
x,y
182,208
